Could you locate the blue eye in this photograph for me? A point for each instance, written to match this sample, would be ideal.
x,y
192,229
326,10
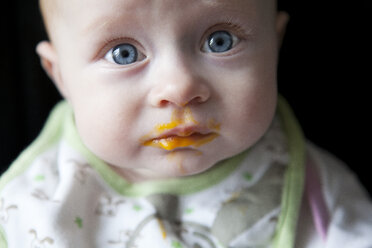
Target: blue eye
x,y
219,42
124,54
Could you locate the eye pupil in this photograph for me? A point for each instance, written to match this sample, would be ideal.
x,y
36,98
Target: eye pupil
x,y
124,54
220,41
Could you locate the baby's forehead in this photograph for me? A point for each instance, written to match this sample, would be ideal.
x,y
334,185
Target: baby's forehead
x,y
50,7
72,10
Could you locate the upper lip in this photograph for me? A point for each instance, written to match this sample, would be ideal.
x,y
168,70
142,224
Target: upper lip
x,y
182,131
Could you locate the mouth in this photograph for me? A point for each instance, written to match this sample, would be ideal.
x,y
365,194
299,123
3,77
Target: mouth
x,y
181,138
183,131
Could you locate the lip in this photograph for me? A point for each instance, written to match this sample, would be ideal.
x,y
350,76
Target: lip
x,y
181,137
184,131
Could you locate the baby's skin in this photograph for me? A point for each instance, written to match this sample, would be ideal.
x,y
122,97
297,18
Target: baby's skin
x,y
161,88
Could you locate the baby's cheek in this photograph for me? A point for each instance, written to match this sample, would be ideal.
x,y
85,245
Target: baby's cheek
x,y
246,128
96,137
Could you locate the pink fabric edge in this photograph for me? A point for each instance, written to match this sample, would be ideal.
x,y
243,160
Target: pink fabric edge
x,y
316,200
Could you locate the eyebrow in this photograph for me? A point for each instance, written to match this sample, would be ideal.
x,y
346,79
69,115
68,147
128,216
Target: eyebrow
x,y
213,3
104,21
100,24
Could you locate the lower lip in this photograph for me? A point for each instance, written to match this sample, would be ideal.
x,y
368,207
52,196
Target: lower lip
x,y
173,142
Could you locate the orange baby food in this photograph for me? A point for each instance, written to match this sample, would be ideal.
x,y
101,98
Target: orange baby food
x,y
179,117
172,142
184,138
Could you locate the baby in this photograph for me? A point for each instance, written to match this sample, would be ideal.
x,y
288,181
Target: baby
x,y
172,135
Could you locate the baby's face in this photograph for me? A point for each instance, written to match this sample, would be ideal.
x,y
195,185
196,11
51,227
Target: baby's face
x,y
165,88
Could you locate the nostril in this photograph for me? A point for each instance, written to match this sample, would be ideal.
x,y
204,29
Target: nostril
x,y
199,99
196,99
163,103
180,93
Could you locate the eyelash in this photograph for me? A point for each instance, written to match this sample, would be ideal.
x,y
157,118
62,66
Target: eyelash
x,y
110,44
229,25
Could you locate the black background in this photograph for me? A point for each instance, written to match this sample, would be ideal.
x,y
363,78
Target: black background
x,y
324,73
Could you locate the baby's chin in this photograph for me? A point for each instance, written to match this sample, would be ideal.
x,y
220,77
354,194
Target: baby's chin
x,y
178,163
186,162
191,163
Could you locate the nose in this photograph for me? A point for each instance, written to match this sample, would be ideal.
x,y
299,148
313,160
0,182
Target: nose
x,y
179,85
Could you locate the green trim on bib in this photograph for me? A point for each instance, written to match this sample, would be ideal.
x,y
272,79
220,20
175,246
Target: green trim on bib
x,y
61,124
177,186
3,242
294,179
49,135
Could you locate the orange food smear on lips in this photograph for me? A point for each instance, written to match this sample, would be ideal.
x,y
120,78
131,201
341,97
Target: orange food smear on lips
x,y
178,117
172,142
184,138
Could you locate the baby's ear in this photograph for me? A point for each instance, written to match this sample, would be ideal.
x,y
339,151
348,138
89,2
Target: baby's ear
x,y
281,25
49,61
